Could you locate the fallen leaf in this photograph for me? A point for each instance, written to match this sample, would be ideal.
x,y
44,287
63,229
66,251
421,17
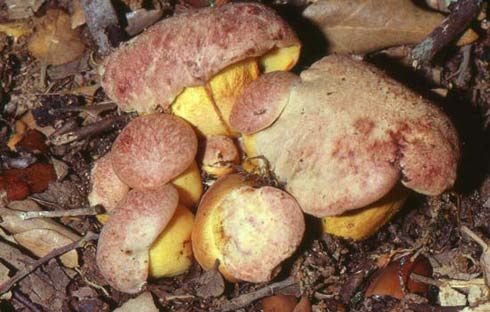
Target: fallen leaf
x,y
460,292
29,120
20,183
394,279
15,29
20,128
450,297
304,305
20,9
360,26
140,19
54,41
32,141
77,16
142,303
100,17
278,303
61,169
41,235
210,284
4,276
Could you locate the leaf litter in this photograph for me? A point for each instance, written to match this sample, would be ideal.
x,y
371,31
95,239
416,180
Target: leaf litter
x,y
328,273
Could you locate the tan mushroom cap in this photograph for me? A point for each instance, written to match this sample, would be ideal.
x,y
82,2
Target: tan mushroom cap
x,y
107,189
261,103
349,133
152,150
250,230
187,50
126,238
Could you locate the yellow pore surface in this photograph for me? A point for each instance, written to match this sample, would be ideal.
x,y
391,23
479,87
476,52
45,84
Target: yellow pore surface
x,y
361,223
171,253
280,59
189,186
208,107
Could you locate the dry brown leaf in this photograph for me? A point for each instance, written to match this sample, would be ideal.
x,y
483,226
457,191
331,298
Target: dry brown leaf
x,y
360,26
210,284
4,276
279,303
394,279
78,16
15,30
20,9
142,303
54,41
40,236
304,305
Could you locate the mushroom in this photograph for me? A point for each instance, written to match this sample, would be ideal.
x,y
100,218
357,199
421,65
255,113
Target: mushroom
x,y
147,233
348,135
107,189
250,230
220,154
152,150
195,64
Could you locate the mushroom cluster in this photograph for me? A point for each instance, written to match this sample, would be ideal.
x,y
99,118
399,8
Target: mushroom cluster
x,y
345,140
151,173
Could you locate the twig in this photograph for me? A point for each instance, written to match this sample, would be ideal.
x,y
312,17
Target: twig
x,y
14,256
425,280
473,236
84,132
90,236
93,110
461,16
92,284
178,297
89,211
246,299
26,302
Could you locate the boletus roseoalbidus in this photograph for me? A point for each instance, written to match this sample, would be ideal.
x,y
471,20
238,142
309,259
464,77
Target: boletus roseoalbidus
x,y
342,136
147,233
195,64
348,136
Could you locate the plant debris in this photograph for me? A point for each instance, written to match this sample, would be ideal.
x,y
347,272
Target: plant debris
x,y
56,121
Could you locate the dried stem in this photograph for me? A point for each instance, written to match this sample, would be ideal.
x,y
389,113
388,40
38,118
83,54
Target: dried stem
x,y
89,211
90,236
461,16
84,132
473,236
26,302
246,299
425,280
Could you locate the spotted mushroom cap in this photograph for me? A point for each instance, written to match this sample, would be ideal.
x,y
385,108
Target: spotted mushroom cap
x,y
187,50
152,150
349,133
